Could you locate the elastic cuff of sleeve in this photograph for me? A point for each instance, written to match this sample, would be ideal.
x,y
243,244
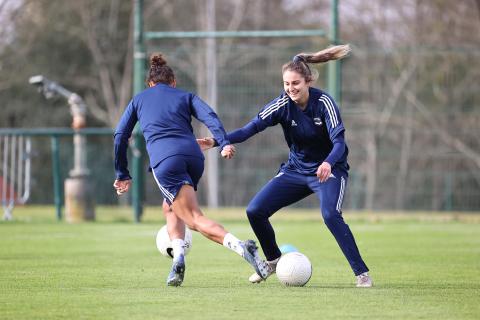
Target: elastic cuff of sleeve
x,y
225,143
330,162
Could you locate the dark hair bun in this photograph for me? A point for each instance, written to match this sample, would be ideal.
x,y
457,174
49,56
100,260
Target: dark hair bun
x,y
157,60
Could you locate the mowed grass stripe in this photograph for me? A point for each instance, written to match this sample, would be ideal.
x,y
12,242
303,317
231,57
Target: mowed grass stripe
x,y
111,270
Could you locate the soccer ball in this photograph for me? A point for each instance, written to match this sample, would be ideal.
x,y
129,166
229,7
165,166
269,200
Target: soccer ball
x,y
294,269
164,244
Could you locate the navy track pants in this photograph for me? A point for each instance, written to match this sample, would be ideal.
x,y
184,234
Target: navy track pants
x,y
288,187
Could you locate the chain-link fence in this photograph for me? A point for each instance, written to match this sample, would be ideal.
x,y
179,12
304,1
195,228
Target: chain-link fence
x,y
411,121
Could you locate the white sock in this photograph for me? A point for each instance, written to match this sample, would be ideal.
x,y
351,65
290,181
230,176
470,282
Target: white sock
x,y
233,243
178,246
273,264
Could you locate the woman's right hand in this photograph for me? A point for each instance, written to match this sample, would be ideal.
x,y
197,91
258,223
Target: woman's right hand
x,y
228,151
324,171
122,186
206,143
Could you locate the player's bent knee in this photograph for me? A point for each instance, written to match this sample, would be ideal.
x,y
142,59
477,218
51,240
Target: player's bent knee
x,y
331,217
256,212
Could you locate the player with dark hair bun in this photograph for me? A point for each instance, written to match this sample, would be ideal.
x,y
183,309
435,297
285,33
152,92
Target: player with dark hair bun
x,y
159,71
164,114
317,162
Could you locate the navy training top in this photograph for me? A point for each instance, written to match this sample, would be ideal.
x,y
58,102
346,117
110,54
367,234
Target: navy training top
x,y
314,135
165,115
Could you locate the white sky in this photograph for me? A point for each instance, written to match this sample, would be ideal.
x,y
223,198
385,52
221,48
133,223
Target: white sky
x,y
6,28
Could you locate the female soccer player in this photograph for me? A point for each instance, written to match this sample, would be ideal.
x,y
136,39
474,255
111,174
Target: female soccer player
x,y
164,114
317,162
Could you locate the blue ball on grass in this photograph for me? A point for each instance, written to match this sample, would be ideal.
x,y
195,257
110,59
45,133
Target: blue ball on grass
x,y
286,248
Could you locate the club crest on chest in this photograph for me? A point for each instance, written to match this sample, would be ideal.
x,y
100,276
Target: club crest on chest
x,y
317,121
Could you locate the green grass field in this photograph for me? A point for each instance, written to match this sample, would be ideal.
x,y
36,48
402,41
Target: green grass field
x,y
425,266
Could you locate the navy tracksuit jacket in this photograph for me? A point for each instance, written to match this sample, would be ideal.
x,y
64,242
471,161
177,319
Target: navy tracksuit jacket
x,y
314,135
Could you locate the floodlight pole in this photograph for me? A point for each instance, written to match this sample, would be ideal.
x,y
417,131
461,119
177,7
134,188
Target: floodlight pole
x,y
78,111
79,200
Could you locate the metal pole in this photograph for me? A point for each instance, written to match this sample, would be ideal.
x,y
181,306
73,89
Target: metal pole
x,y
334,74
138,85
78,111
212,157
79,193
13,165
57,184
152,35
7,215
25,194
20,167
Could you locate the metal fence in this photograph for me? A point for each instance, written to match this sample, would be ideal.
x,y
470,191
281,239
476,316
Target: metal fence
x,y
15,154
412,130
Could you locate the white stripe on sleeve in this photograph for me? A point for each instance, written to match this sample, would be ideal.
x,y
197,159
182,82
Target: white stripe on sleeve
x,y
331,110
273,107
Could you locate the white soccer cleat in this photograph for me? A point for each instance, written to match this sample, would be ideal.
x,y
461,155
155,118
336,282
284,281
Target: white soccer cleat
x,y
271,266
364,281
250,253
176,275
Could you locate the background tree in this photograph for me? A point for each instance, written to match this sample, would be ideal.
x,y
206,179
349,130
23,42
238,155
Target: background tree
x,y
410,98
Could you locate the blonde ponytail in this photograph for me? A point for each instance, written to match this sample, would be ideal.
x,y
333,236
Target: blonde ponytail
x,y
331,53
299,62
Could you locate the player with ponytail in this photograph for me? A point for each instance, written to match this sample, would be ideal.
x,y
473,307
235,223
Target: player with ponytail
x,y
317,162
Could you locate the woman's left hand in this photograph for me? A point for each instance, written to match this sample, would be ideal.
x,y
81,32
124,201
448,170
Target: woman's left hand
x,y
324,171
228,151
206,143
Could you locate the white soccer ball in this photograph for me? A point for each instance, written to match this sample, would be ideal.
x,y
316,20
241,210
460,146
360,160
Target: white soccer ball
x,y
164,244
294,269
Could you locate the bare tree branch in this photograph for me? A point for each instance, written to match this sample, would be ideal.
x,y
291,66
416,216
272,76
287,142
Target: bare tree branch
x,y
453,142
477,3
397,88
99,58
235,21
126,81
94,109
3,4
113,18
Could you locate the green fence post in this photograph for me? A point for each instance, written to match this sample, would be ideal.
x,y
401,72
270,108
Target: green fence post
x,y
334,74
138,85
57,180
